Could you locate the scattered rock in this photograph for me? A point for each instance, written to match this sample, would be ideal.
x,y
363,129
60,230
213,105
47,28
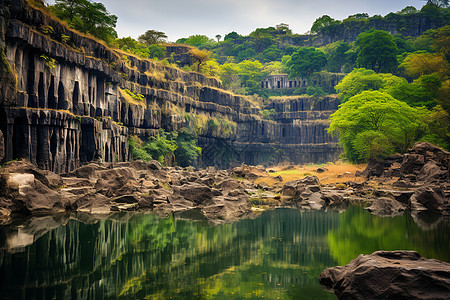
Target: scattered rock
x,y
299,190
195,192
321,170
386,207
428,198
389,275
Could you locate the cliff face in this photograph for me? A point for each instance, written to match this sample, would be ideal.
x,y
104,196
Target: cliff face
x,y
65,101
411,25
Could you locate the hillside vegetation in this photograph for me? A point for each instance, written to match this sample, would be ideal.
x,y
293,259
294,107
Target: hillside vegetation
x,y
396,90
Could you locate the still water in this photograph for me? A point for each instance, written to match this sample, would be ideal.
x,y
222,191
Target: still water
x,y
277,255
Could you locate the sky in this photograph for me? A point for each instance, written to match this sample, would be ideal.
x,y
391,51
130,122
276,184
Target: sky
x,y
183,18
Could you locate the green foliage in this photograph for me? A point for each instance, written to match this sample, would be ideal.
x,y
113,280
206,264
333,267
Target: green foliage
x,y
357,81
137,152
137,97
65,38
315,91
339,54
46,29
167,148
324,24
130,45
305,61
151,37
187,150
49,62
244,77
269,114
377,51
373,124
422,63
88,17
421,92
197,40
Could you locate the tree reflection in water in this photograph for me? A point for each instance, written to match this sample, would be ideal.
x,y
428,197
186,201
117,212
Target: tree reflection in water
x,y
279,254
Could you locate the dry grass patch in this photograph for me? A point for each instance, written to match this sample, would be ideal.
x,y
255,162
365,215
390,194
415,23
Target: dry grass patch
x,y
337,173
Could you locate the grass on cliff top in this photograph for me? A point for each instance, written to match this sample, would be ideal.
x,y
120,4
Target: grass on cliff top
x,y
337,173
130,97
44,10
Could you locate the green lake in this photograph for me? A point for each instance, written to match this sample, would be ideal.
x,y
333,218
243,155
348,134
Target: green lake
x,y
277,255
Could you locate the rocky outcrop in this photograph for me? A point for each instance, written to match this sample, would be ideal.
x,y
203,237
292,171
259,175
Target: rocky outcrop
x,y
389,275
423,170
108,187
71,105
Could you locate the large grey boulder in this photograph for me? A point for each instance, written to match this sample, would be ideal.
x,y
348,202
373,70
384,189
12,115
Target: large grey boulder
x,y
299,190
389,275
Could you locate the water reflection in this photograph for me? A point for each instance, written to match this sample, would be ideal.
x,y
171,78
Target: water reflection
x,y
140,256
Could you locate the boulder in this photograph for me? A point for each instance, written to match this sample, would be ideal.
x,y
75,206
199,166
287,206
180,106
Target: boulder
x,y
321,170
384,206
223,209
428,198
424,162
298,190
195,192
228,184
389,275
88,171
249,172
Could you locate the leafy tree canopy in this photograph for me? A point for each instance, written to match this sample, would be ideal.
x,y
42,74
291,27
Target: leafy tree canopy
x,y
408,10
201,56
88,17
197,40
232,35
323,22
419,63
438,3
151,37
357,81
377,51
305,61
373,124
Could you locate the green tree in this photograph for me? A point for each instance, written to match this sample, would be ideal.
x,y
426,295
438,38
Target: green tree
x,y
374,124
305,61
88,17
377,51
201,56
197,40
187,150
218,37
418,64
324,22
408,10
338,57
232,35
435,40
250,73
151,37
438,3
357,81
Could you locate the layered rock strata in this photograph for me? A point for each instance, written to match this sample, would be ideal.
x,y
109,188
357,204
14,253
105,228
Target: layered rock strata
x,y
67,99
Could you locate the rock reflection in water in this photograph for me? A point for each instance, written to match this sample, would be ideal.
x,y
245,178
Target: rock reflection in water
x,y
279,254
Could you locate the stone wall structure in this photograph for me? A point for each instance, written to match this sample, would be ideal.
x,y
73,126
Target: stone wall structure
x,y
63,102
324,80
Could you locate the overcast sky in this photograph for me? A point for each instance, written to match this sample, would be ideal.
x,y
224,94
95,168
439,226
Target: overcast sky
x,y
182,18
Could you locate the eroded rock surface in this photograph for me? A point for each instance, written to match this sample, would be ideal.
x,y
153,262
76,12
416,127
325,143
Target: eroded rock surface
x,y
108,187
421,175
389,275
